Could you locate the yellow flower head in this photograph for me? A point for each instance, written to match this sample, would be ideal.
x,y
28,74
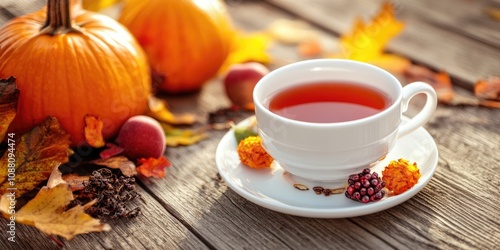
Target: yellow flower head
x,y
400,175
253,154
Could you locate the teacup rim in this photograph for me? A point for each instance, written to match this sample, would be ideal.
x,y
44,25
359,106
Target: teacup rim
x,y
260,105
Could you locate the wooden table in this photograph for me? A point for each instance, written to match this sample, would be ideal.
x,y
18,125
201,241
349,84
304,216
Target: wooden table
x,y
192,208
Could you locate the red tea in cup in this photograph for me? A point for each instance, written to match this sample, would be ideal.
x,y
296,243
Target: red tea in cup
x,y
326,102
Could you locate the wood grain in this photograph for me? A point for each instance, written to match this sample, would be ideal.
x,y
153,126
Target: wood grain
x,y
154,228
452,39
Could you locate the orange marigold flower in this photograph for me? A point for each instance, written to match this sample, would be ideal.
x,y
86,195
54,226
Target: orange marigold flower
x,y
253,154
400,175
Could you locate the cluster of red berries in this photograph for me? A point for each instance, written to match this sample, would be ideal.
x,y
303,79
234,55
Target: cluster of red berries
x,y
365,187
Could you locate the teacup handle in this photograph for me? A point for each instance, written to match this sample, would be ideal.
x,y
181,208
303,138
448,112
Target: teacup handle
x,y
409,91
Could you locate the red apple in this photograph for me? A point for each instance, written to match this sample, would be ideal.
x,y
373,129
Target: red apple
x,y
240,81
141,137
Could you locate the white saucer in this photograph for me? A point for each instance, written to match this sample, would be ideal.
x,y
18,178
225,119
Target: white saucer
x,y
270,189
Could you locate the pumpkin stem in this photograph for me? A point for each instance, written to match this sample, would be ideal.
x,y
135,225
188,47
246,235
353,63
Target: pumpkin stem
x,y
58,20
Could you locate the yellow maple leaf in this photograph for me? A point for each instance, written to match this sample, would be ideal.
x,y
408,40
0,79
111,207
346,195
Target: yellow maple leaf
x,y
36,155
47,212
182,137
248,47
366,41
158,109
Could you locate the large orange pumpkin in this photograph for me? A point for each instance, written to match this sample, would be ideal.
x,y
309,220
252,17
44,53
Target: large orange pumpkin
x,y
68,65
186,40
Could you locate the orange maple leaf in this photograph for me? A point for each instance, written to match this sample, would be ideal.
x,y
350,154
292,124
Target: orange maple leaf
x,y
9,94
155,167
488,88
93,131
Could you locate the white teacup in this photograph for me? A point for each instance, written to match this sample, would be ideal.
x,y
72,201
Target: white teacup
x,y
333,151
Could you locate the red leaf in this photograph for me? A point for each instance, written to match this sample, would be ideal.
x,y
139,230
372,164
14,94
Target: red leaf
x,y
111,151
153,167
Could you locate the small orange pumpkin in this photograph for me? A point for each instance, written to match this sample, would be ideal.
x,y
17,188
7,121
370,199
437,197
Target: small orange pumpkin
x,y
68,65
186,40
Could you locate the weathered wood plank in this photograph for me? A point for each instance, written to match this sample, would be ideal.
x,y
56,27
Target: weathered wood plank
x,y
155,228
429,40
469,18
20,7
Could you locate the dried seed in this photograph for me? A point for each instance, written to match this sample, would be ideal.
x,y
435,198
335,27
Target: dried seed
x,y
300,187
326,191
318,190
337,191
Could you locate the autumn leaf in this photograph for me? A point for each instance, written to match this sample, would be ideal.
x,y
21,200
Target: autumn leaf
x,y
9,94
494,13
443,87
392,63
485,90
153,167
178,136
74,181
440,81
55,178
158,109
37,153
310,48
111,150
366,41
126,166
47,212
488,88
248,48
93,131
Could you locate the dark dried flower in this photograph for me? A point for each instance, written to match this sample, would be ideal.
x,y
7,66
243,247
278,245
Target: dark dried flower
x,y
112,192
